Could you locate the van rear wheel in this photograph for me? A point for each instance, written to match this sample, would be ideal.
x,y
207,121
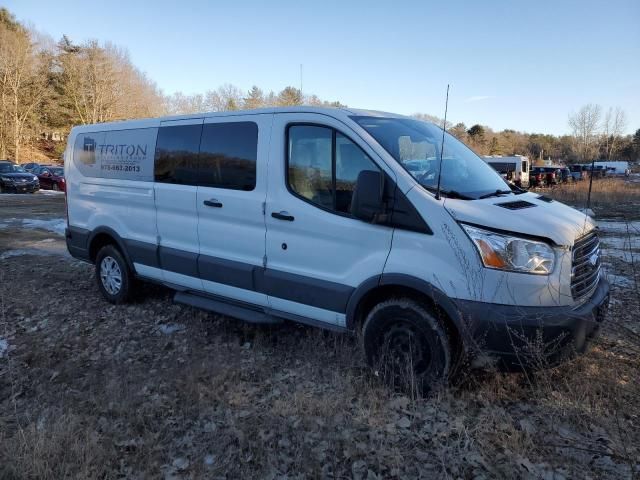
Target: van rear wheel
x,y
115,279
406,344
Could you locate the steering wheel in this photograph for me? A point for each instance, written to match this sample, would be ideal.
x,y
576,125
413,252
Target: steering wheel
x,y
424,176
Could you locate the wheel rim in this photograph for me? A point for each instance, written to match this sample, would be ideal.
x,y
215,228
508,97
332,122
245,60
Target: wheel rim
x,y
406,352
110,275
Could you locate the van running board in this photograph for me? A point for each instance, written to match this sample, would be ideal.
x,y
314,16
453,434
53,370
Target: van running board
x,y
251,315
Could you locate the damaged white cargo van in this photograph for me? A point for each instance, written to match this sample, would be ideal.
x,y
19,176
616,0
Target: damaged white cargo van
x,y
330,217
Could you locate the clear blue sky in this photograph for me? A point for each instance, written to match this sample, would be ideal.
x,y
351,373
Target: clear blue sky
x,y
521,65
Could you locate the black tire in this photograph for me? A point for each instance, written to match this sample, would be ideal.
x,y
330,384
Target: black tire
x,y
109,259
406,344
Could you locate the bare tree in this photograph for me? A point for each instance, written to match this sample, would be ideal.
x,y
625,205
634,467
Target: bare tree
x,y
226,97
584,125
103,85
23,85
615,122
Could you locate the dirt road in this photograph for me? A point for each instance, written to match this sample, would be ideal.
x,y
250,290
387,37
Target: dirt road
x,y
157,390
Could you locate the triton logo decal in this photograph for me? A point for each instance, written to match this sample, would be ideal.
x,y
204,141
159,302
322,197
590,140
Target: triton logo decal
x,y
89,151
123,150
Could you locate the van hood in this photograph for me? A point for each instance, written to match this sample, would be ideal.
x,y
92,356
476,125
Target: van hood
x,y
553,220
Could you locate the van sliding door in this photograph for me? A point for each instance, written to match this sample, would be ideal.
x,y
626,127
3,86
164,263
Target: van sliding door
x,y
176,188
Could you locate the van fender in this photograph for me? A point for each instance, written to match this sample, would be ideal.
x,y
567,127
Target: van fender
x,y
118,240
437,296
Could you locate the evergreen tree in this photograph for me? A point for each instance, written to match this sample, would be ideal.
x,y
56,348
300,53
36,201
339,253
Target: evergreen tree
x,y
254,98
289,96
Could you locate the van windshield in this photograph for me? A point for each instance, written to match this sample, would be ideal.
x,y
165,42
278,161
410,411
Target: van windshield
x,y
416,146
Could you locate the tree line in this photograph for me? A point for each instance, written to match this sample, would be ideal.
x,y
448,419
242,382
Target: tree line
x,y
50,86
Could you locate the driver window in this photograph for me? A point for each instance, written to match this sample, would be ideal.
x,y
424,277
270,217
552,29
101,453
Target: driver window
x,y
323,166
310,163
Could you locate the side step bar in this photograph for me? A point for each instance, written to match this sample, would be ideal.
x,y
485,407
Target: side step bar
x,y
251,315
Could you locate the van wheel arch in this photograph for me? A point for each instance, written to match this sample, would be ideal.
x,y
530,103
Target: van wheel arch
x,y
101,237
382,288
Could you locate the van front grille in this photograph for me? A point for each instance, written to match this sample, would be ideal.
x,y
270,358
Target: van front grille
x,y
585,270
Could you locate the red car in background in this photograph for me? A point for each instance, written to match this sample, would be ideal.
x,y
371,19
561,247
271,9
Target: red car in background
x,y
51,178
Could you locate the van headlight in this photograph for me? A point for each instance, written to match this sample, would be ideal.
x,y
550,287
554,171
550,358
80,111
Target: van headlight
x,y
516,254
6,179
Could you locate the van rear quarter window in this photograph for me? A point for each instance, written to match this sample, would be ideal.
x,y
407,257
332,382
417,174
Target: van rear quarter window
x,y
221,155
117,154
176,156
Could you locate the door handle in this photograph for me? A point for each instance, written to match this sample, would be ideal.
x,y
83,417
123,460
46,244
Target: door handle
x,y
213,203
283,216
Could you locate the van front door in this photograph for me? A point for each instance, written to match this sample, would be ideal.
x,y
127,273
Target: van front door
x,y
317,252
233,187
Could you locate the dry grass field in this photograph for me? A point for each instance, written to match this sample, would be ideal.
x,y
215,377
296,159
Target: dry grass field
x,y
156,390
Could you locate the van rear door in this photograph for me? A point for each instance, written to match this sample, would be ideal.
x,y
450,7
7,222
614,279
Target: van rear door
x,y
234,152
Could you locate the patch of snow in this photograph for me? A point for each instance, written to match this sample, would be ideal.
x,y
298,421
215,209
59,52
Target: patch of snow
x,y
624,243
57,225
587,211
620,254
610,226
19,252
620,281
4,347
50,192
169,328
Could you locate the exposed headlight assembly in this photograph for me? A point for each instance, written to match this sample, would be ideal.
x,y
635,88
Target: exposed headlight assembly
x,y
516,254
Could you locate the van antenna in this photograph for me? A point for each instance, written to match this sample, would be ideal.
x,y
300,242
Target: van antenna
x,y
444,129
301,83
593,166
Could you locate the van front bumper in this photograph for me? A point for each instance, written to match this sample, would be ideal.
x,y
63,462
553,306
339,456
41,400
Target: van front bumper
x,y
532,337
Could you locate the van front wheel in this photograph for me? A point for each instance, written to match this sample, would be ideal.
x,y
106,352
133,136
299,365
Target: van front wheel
x,y
406,344
113,275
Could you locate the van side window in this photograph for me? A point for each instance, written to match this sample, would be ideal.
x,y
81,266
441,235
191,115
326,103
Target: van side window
x,y
228,155
323,166
176,159
310,171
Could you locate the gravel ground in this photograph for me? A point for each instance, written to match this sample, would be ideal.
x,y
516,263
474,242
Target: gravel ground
x,y
157,390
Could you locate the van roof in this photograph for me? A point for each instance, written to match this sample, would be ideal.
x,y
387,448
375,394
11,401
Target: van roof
x,y
339,113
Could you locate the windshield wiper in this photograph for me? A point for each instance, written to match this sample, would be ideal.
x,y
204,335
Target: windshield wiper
x,y
495,193
450,193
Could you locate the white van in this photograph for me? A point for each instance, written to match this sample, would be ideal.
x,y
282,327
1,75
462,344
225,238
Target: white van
x,y
331,217
514,169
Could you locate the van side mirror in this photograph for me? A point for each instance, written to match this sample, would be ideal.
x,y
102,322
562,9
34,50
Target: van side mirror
x,y
367,203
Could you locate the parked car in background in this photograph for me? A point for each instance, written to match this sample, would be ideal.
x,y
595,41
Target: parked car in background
x,y
13,178
565,175
513,169
51,178
577,172
546,176
536,177
30,167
